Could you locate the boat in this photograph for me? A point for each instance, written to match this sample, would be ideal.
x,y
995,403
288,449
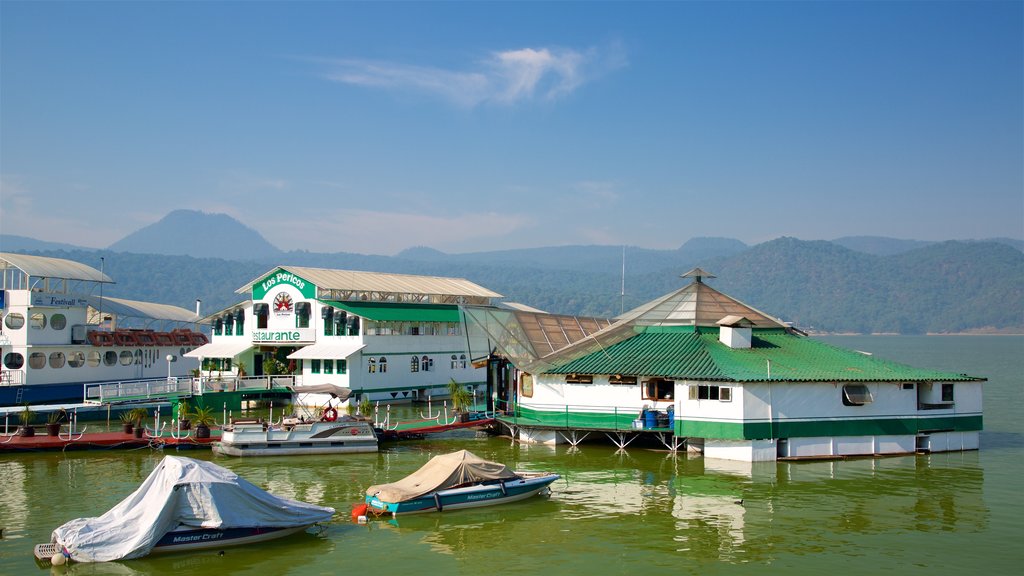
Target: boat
x,y
184,504
454,481
61,336
327,433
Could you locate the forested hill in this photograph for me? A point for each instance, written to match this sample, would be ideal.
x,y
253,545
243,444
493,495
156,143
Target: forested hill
x,y
941,287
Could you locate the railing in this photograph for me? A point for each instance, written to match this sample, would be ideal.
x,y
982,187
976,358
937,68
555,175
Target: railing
x,y
12,377
616,418
152,389
205,384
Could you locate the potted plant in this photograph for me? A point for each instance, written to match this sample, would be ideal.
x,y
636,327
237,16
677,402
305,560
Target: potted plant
x,y
26,416
241,369
53,422
184,423
365,406
461,398
138,418
127,422
203,418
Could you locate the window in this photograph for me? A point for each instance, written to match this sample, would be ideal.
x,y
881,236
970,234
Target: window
x,y
229,324
38,320
372,366
302,315
383,364
414,364
262,313
240,323
856,395
93,359
314,366
462,361
58,322
710,392
908,385
947,392
14,321
77,359
342,366
126,358
426,363
455,362
526,385
37,360
328,366
579,379
57,359
218,327
13,360
327,315
620,379
109,358
659,389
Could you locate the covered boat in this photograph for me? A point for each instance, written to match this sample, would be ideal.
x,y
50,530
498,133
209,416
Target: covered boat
x,y
456,480
184,504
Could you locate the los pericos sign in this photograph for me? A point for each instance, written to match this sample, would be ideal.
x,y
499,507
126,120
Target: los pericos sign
x,y
281,278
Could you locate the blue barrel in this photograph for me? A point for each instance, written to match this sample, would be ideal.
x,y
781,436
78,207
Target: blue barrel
x,y
651,419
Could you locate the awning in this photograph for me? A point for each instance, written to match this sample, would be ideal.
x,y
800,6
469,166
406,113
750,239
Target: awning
x,y
227,349
401,312
327,350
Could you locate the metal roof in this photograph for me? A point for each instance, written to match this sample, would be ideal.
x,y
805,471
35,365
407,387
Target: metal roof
x,y
326,279
139,309
775,355
328,349
45,267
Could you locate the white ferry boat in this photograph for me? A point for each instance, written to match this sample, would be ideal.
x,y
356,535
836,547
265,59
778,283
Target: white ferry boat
x,y
59,334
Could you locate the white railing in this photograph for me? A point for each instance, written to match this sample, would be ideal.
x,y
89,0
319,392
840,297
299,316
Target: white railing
x,y
12,377
208,384
136,389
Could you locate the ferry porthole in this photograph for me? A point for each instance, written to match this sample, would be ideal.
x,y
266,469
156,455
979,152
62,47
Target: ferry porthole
x,y
58,321
76,359
109,358
37,360
93,358
14,321
127,358
57,360
38,320
13,360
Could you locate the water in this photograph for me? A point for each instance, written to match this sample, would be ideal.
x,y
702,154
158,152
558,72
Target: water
x,y
612,513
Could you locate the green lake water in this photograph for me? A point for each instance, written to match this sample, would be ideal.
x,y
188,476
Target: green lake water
x,y
632,512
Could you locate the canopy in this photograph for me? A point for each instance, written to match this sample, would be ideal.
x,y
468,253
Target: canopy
x,y
444,471
329,349
339,392
181,491
222,349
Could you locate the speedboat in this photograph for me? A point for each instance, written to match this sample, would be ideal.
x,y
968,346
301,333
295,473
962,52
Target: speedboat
x,y
330,434
184,504
454,481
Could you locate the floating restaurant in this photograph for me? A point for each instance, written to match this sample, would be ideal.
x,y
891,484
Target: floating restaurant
x,y
387,337
699,369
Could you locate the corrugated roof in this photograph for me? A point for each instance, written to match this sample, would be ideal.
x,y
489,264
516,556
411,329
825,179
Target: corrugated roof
x,y
44,267
389,312
139,309
696,354
326,279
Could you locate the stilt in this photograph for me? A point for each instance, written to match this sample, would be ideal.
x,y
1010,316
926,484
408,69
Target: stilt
x,y
574,438
672,442
621,439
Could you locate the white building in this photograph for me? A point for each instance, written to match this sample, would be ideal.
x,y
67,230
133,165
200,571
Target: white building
x,y
388,337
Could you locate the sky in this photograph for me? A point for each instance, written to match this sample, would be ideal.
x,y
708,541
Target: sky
x,y
374,127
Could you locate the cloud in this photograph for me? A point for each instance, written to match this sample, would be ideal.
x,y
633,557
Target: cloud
x,y
503,78
373,232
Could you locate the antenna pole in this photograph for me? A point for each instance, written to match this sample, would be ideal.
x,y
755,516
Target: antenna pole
x,y
622,291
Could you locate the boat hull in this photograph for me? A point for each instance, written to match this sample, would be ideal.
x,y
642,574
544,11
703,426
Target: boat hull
x,y
341,437
503,492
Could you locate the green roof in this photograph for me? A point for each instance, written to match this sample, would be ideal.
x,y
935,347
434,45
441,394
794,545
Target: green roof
x,y
696,353
394,312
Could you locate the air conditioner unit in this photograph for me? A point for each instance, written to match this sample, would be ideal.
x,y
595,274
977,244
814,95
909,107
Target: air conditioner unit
x,y
78,334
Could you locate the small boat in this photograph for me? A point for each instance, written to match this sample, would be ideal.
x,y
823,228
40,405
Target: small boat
x,y
454,481
184,504
330,434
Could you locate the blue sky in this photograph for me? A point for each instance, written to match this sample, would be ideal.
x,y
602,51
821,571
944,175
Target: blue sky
x,y
373,127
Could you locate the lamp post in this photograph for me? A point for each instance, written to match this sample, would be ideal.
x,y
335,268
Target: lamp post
x,y
169,359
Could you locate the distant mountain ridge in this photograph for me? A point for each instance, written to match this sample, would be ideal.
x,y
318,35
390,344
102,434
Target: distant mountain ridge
x,y
856,284
190,232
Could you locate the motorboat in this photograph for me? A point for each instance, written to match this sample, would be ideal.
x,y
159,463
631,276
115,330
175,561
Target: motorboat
x,y
326,433
455,481
184,504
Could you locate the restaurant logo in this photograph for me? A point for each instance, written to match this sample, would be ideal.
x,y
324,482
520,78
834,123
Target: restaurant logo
x,y
283,304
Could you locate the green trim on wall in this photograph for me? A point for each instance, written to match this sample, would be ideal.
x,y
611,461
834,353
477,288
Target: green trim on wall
x,y
814,428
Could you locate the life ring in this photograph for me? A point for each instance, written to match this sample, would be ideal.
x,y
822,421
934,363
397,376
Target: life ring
x,y
330,415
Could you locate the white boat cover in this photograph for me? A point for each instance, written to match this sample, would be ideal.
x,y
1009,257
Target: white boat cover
x,y
181,491
441,472
340,392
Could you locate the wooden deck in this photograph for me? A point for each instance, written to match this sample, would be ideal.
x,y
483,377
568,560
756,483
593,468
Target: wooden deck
x,y
100,441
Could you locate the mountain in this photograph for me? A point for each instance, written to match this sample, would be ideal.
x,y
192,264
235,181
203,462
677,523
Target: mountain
x,y
190,232
12,243
879,245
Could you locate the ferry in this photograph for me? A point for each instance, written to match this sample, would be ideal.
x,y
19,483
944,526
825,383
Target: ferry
x,y
60,335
